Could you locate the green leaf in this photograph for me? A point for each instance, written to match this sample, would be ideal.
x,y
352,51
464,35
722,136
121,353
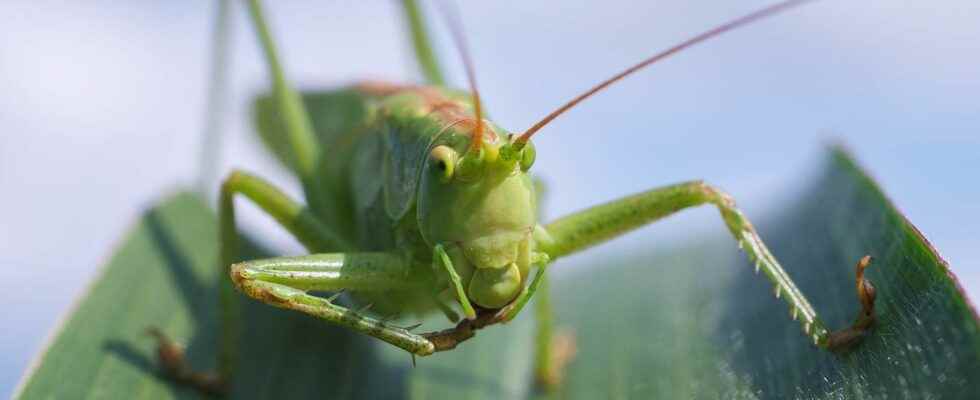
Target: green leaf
x,y
685,323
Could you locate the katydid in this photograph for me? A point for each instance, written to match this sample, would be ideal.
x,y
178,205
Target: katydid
x,y
415,203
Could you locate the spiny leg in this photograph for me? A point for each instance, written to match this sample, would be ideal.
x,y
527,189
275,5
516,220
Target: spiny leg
x,y
295,219
603,222
284,281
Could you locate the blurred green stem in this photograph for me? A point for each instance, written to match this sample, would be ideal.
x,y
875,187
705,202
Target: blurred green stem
x,y
211,137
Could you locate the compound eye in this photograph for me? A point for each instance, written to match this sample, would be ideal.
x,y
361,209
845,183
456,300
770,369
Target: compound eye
x,y
443,159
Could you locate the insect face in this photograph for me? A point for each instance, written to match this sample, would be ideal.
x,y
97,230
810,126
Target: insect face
x,y
478,202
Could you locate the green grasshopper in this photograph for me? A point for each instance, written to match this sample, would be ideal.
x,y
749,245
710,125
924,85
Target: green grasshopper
x,y
415,203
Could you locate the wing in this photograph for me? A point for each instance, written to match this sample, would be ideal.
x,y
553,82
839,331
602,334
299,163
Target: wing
x,y
406,147
338,117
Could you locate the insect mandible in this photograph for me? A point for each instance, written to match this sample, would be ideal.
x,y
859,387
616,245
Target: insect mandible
x,y
415,203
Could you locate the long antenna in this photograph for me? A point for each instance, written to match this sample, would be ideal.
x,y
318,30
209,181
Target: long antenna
x,y
451,14
736,23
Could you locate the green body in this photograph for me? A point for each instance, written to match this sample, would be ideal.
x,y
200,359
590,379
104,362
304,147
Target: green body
x,y
385,196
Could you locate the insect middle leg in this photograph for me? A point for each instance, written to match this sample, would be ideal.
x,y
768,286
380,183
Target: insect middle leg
x,y
603,222
296,219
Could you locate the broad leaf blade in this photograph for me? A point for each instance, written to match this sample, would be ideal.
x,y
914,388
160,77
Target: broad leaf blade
x,y
926,344
688,323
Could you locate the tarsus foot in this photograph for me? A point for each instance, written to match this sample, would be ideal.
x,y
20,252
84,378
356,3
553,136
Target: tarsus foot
x,y
171,356
845,339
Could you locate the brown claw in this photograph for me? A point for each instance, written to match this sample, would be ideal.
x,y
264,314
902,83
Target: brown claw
x,y
845,339
865,290
448,339
174,365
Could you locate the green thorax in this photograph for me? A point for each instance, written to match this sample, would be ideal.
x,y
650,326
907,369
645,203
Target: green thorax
x,y
374,137
386,159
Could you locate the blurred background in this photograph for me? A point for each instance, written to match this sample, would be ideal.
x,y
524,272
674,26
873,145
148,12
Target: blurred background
x,y
102,109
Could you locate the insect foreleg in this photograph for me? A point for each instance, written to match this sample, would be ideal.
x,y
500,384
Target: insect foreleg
x,y
603,222
295,219
284,282
442,259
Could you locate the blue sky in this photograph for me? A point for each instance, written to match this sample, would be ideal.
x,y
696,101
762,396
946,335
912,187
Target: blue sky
x,y
101,110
